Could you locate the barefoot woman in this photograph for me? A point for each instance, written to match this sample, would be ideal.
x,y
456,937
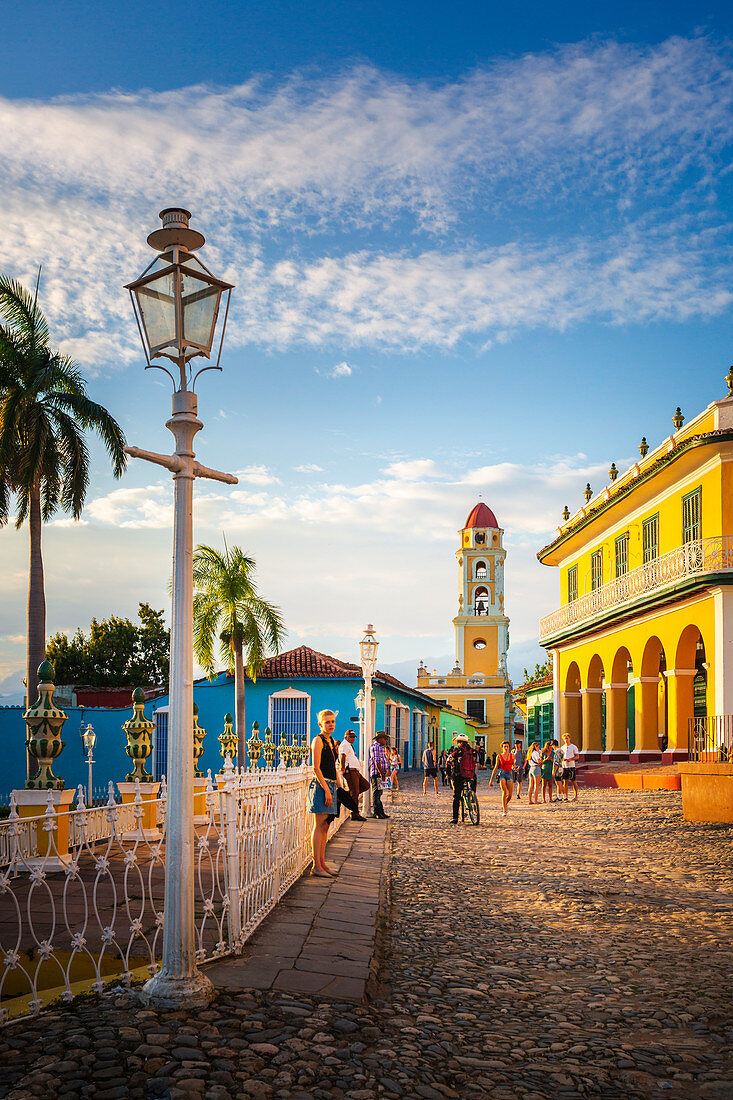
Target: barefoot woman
x,y
322,800
504,765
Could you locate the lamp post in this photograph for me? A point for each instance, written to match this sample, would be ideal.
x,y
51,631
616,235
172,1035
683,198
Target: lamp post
x,y
88,740
368,647
176,304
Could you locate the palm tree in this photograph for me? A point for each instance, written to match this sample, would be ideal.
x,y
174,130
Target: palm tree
x,y
44,461
226,606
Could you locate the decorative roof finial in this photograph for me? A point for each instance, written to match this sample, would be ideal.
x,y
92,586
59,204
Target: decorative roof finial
x,y
643,447
678,419
566,513
588,491
729,382
613,472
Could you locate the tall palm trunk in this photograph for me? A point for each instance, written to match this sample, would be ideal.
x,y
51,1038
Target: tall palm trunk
x,y
36,614
239,705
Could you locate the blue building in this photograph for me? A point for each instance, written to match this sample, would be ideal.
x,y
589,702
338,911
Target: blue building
x,y
287,696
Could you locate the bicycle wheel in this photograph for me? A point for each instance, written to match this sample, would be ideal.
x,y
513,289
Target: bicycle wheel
x,y
472,806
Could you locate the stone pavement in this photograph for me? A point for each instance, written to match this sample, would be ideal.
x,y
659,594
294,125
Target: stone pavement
x,y
321,939
579,950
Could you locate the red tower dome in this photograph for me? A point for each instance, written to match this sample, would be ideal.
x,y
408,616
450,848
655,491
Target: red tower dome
x,y
481,516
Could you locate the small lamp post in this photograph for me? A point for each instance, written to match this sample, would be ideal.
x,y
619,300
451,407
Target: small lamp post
x,y
89,740
368,647
176,304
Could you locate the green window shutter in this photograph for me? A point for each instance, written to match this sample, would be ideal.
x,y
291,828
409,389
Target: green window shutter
x,y
622,554
572,583
650,538
596,569
692,516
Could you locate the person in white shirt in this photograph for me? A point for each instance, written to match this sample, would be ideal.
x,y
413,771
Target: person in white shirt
x,y
570,754
349,763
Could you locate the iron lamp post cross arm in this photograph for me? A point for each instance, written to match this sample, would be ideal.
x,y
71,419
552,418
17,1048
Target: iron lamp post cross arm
x,y
175,464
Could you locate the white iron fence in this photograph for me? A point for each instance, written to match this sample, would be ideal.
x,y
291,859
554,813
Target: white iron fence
x,y
65,930
694,559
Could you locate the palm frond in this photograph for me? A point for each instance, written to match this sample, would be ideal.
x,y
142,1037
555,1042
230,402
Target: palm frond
x,y
94,417
19,308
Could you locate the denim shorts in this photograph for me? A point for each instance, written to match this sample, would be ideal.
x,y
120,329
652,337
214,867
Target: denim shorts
x,y
534,770
317,800
505,775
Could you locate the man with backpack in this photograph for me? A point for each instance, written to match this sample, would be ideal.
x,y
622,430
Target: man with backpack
x,y
463,770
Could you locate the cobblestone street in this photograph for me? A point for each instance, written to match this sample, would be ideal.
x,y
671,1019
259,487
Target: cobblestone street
x,y
564,951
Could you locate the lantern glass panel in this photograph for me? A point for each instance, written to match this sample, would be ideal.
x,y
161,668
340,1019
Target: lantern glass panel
x,y
200,301
157,304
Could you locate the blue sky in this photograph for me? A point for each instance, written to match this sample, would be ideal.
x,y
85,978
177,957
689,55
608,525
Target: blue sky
x,y
475,251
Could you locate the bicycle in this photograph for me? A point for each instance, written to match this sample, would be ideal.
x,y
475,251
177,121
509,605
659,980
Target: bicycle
x,y
469,804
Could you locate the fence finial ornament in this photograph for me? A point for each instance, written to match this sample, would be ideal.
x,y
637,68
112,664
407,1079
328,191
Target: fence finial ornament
x,y
228,739
139,733
44,722
254,746
198,742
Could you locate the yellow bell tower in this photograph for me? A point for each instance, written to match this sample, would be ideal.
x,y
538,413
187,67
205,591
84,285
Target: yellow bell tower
x,y
479,684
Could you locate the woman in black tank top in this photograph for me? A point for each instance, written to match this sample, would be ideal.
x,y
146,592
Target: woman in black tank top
x,y
323,799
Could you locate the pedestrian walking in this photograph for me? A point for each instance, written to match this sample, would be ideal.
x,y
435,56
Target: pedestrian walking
x,y
429,768
505,767
351,772
546,772
570,754
534,757
323,792
378,772
518,770
442,768
557,770
463,770
395,763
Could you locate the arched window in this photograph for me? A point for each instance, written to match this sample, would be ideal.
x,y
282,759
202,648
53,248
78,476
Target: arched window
x,y
480,570
481,601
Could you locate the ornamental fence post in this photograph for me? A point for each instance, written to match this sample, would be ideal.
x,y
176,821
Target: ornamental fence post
x,y
229,796
279,826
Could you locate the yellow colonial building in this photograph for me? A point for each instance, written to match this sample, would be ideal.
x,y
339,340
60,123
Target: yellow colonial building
x,y
478,683
643,639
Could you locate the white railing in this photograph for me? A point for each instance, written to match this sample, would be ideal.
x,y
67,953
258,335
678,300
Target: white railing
x,y
68,929
694,559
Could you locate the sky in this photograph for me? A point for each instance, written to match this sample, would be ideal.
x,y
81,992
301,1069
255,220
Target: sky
x,y
477,253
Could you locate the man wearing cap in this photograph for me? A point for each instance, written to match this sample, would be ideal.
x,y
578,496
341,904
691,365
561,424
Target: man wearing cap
x,y
378,768
351,771
463,770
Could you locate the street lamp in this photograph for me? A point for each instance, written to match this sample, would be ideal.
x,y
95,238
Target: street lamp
x,y
89,740
176,304
368,647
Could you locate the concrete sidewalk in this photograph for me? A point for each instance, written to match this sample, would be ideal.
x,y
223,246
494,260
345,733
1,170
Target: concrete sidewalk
x,y
322,938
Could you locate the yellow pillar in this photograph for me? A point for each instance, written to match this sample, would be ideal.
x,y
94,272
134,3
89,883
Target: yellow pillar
x,y
592,746
646,708
617,746
680,708
52,845
571,721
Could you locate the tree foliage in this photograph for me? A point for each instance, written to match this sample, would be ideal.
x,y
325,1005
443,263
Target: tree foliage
x,y
117,652
540,671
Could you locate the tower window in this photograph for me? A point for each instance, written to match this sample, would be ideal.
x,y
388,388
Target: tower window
x,y
480,570
479,644
476,709
481,601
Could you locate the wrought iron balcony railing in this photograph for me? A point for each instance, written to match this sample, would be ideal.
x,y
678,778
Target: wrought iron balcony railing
x,y
687,562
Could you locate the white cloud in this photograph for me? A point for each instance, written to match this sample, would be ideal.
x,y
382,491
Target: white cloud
x,y
257,475
308,468
633,140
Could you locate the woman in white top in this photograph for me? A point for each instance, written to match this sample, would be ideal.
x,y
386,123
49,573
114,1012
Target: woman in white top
x,y
534,757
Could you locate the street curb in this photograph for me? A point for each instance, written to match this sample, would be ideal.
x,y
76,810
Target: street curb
x,y
374,987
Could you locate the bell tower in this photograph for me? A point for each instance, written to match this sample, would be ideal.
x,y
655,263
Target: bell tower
x,y
478,684
482,628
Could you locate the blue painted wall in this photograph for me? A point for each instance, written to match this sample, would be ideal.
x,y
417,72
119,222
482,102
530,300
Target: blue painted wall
x,y
214,701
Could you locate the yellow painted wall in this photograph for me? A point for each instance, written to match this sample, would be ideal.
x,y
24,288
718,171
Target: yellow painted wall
x,y
716,485
483,661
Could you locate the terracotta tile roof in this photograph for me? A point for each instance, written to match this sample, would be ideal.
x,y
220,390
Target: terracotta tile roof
x,y
304,662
